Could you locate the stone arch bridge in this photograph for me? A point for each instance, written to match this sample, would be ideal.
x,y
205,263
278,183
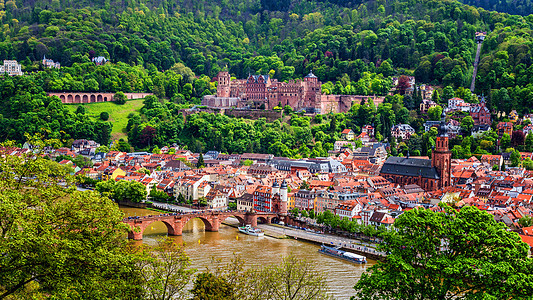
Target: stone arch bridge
x,y
75,97
212,220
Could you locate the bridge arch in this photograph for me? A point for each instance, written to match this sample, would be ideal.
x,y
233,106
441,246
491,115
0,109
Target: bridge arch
x,y
99,98
62,98
171,230
69,98
85,99
263,220
239,218
209,226
77,99
93,98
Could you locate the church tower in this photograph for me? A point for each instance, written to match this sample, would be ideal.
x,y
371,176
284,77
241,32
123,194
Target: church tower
x,y
223,88
441,155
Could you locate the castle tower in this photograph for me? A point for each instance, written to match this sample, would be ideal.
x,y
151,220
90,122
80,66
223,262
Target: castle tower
x,y
311,79
283,195
223,88
441,155
312,91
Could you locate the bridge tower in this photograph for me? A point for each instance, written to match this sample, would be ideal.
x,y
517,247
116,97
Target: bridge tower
x,y
283,209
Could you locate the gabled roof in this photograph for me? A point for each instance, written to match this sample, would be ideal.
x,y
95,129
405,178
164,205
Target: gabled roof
x,y
346,131
409,167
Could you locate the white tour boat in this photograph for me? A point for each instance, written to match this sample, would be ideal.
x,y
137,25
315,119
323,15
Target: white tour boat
x,y
248,229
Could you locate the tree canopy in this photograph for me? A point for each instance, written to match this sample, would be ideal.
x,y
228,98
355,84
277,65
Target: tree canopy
x,y
452,254
59,241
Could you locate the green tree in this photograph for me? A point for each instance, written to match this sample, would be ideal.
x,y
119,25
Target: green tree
x,y
207,286
106,188
528,163
333,124
202,201
181,198
62,242
159,196
435,97
515,158
104,116
247,162
505,141
467,123
102,148
200,163
529,142
447,93
293,278
80,110
450,254
295,212
119,98
165,271
526,221
133,191
434,113
304,185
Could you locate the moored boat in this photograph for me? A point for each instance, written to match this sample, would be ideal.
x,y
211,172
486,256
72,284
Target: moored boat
x,y
248,229
336,252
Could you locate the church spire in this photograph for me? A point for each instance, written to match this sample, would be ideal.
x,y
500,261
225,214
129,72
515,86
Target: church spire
x,y
442,125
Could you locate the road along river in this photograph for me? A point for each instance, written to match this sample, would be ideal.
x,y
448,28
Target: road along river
x,y
202,247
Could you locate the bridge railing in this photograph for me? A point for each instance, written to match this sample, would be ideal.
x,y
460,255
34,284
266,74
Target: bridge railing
x,y
185,213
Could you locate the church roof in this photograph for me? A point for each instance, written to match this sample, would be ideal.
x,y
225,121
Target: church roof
x,y
409,167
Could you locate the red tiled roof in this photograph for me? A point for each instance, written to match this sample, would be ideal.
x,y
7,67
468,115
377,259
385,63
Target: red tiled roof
x,y
527,239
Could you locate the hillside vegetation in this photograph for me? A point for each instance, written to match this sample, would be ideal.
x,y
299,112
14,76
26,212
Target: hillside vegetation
x,y
118,114
175,49
516,7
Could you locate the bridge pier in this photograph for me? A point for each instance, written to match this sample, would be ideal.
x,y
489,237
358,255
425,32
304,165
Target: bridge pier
x,y
250,219
214,225
177,228
135,234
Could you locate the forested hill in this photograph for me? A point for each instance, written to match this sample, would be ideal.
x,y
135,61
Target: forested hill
x,y
516,7
174,49
434,36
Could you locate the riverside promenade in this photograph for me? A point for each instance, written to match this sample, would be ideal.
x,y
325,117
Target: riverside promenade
x,y
350,245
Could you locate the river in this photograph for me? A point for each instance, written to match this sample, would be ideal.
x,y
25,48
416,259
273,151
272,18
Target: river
x,y
202,247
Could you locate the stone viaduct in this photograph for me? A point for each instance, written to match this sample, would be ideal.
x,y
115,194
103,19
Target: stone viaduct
x,y
75,97
211,219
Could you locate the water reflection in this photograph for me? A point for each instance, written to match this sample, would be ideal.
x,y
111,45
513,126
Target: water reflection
x,y
202,247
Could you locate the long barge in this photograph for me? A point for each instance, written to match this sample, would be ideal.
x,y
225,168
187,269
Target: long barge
x,y
336,252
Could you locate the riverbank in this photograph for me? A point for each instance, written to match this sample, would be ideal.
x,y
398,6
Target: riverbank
x,y
346,244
